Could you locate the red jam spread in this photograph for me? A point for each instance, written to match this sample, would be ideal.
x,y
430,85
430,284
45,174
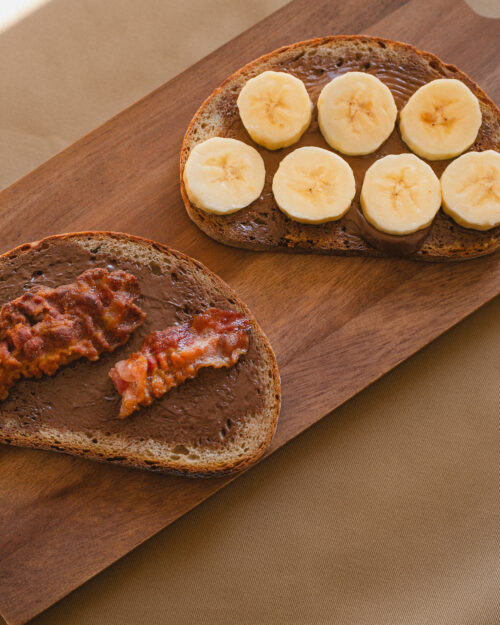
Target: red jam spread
x,y
46,327
215,338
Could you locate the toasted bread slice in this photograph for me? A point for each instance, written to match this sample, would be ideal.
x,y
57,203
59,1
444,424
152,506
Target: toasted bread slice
x,y
219,422
262,226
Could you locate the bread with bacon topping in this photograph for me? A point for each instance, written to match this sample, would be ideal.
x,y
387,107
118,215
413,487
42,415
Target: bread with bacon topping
x,y
220,421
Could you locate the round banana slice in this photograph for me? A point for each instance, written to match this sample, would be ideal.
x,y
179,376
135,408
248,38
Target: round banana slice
x,y
356,113
470,187
275,108
441,119
400,194
313,185
223,175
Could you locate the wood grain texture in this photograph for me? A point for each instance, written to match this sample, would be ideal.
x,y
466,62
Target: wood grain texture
x,y
345,323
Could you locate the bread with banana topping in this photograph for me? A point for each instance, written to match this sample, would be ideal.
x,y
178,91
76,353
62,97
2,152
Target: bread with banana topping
x,y
262,226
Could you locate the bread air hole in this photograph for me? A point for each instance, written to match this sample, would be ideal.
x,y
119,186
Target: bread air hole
x,y
180,449
155,268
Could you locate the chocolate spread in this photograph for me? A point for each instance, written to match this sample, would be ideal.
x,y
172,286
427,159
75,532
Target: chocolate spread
x,y
80,397
264,226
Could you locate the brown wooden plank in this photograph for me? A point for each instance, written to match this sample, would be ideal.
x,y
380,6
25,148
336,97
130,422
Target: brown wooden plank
x,y
347,321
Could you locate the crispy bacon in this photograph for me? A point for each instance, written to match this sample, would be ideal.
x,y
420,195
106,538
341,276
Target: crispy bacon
x,y
215,338
46,328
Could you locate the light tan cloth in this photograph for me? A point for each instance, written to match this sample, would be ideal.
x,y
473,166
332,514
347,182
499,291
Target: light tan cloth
x,y
388,511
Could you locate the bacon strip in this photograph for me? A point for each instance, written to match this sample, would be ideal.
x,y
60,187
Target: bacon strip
x,y
215,338
46,328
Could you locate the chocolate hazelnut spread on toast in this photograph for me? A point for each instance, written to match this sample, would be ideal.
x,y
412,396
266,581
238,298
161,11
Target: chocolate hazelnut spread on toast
x,y
80,397
262,226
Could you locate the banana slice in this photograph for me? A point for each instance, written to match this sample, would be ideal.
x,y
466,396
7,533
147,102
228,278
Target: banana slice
x,y
356,113
400,194
275,108
470,187
441,119
223,175
313,185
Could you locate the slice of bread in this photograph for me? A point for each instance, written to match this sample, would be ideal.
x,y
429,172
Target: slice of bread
x,y
262,226
219,422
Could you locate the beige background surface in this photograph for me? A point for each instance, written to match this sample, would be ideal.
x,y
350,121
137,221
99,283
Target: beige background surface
x,y
385,512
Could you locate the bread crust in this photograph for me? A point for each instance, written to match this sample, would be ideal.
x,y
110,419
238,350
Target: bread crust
x,y
465,244
44,440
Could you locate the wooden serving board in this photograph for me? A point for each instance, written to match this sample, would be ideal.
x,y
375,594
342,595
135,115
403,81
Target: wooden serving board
x,y
336,324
